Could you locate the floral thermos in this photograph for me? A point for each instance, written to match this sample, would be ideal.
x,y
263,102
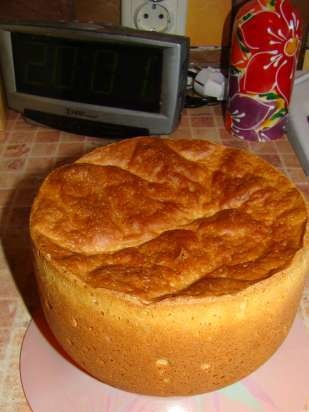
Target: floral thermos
x,y
265,48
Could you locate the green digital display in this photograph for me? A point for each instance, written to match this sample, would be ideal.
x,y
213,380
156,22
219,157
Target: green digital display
x,y
100,73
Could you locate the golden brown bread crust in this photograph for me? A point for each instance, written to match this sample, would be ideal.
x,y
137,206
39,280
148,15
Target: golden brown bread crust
x,y
154,218
171,257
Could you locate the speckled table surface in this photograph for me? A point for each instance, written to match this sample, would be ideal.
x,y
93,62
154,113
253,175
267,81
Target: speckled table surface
x,y
27,154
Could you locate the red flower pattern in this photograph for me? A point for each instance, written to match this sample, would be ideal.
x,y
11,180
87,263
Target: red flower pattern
x,y
265,47
268,47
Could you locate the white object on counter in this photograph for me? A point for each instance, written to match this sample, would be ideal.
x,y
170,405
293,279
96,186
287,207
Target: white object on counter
x,y
210,82
298,125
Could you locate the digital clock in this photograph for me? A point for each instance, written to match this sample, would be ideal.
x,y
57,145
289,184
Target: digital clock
x,y
94,80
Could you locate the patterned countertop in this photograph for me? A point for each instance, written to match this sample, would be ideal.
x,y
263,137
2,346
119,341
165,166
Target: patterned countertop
x,y
27,154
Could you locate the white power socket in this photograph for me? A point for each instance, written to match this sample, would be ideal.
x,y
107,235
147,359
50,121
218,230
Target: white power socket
x,y
167,16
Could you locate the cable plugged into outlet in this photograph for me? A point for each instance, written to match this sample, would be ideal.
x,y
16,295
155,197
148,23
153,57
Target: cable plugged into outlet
x,y
166,16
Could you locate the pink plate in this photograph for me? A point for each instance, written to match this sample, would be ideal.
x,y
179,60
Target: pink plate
x,y
53,384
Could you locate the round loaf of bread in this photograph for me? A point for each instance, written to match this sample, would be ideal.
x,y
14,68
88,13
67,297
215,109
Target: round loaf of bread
x,y
169,267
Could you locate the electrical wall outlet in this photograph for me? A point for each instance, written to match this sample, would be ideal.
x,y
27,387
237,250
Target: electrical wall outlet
x,y
166,16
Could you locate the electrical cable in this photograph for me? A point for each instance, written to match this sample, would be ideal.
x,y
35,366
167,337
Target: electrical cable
x,y
192,102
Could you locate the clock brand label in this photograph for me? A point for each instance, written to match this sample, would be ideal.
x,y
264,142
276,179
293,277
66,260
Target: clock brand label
x,y
80,113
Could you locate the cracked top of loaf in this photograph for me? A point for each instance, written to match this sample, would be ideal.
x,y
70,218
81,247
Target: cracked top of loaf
x,y
158,218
